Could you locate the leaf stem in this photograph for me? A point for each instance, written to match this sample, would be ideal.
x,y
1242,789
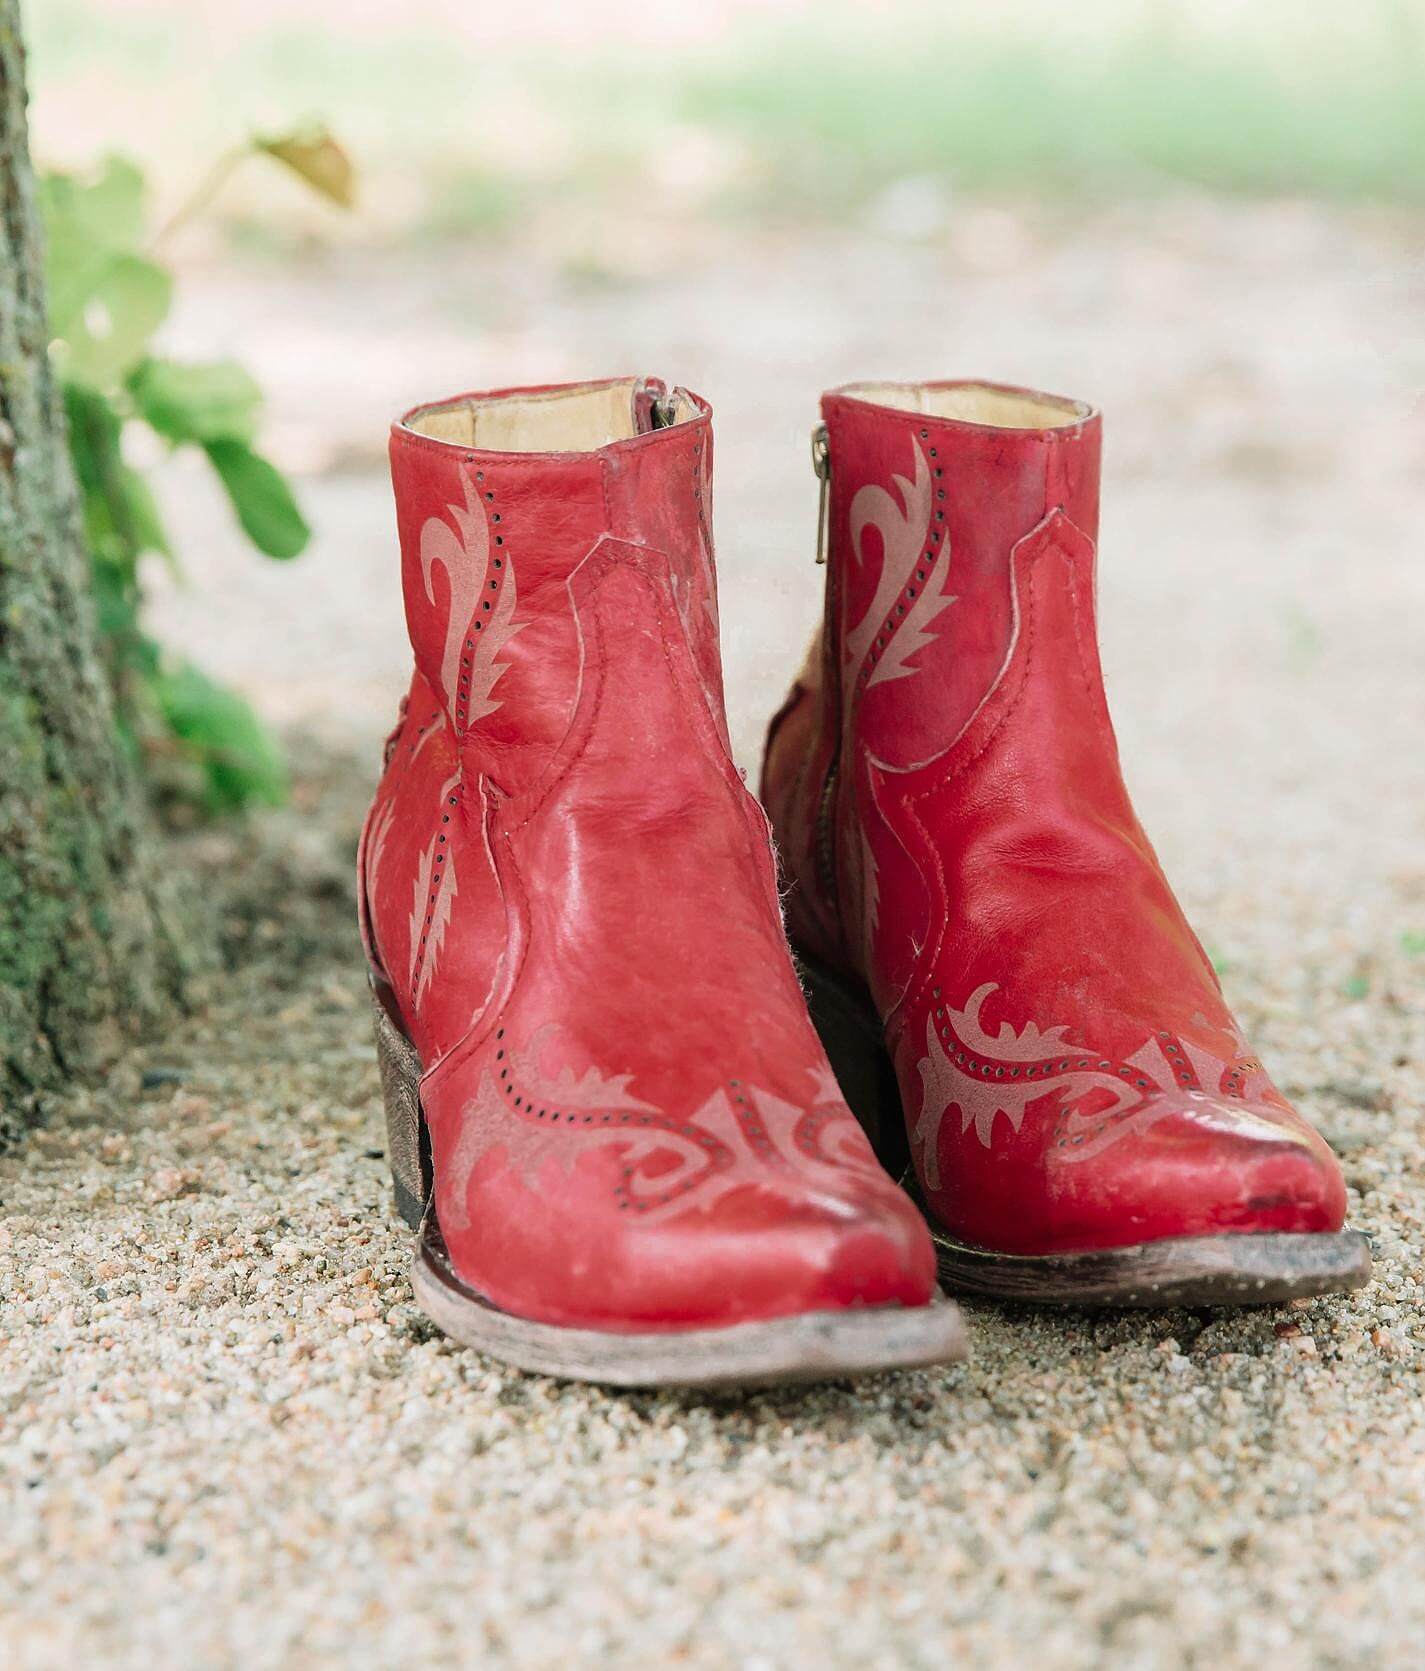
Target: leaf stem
x,y
208,188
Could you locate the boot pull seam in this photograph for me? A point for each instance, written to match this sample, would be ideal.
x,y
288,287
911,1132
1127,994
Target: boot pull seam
x,y
1034,562
503,979
573,752
700,719
1089,664
929,955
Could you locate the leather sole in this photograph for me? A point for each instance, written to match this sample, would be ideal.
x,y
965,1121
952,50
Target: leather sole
x,y
1233,1270
1227,1270
811,1346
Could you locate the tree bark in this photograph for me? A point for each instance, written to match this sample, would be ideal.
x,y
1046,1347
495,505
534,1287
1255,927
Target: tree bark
x,y
90,942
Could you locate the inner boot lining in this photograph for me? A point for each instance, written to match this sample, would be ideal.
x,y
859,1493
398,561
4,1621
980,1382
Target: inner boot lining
x,y
575,420
974,403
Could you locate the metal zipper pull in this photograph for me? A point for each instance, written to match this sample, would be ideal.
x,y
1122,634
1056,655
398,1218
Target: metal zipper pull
x,y
662,403
821,466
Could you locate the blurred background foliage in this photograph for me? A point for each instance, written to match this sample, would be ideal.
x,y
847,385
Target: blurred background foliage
x,y
466,122
109,294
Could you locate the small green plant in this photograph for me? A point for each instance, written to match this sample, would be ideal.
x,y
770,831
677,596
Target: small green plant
x,y
109,292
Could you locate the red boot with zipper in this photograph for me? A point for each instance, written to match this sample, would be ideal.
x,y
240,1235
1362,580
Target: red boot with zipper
x,y
1085,1121
609,1113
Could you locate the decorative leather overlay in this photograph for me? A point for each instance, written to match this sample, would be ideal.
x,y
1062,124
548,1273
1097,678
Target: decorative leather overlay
x,y
433,894
377,837
909,597
1100,1100
480,610
740,1136
909,592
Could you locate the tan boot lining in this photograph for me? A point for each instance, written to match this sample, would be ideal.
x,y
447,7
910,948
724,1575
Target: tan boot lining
x,y
974,403
563,421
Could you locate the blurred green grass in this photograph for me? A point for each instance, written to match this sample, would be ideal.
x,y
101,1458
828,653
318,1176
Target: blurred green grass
x,y
812,117
1302,112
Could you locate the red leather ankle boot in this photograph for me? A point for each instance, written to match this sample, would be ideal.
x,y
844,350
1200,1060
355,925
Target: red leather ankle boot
x,y
1085,1120
609,1114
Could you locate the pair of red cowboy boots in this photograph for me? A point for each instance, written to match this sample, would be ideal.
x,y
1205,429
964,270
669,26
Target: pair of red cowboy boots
x,y
611,1117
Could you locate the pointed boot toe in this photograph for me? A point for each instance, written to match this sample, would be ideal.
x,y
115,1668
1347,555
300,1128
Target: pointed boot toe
x,y
784,1256
879,1260
1200,1168
833,1250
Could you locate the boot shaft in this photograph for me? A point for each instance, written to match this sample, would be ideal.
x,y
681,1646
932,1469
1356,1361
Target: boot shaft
x,y
931,487
499,498
520,514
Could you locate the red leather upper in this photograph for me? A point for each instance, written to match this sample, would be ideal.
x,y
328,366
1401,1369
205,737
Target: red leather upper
x,y
573,896
945,788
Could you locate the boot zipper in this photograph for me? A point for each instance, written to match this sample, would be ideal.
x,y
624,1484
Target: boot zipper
x,y
821,468
664,409
661,408
822,845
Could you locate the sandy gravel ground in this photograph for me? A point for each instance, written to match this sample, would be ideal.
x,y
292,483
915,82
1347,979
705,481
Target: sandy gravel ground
x,y
227,1437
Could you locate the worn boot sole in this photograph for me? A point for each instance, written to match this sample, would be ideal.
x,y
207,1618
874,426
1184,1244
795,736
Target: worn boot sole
x,y
1229,1270
814,1346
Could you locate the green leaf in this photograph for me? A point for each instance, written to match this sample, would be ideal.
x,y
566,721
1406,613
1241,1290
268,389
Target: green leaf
x,y
121,517
94,431
87,223
315,156
240,761
126,301
94,438
215,402
144,520
262,499
108,204
106,299
122,523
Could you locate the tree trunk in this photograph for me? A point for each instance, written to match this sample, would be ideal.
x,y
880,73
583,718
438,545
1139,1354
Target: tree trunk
x,y
89,946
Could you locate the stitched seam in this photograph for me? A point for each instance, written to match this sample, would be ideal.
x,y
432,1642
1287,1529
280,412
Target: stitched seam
x,y
1095,697
698,718
576,750
916,990
930,953
710,746
964,765
758,843
479,1028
